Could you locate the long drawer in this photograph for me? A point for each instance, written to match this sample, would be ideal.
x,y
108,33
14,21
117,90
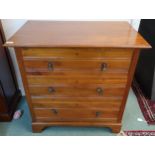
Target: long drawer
x,y
78,102
75,114
98,90
69,80
51,66
77,53
78,75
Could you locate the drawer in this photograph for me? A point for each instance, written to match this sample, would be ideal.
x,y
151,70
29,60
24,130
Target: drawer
x,y
50,66
72,114
77,53
73,75
100,90
69,80
78,102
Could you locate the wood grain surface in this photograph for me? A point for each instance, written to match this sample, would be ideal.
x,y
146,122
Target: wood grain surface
x,y
77,34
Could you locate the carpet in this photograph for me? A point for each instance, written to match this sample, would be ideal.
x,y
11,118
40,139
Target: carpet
x,y
138,133
147,106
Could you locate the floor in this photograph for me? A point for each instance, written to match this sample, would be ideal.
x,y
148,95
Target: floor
x,y
132,120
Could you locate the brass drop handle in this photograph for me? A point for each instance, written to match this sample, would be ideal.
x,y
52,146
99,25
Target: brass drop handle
x,y
50,66
98,113
99,91
51,89
104,66
55,111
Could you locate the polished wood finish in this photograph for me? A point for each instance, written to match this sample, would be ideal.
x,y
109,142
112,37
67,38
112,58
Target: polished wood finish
x,y
77,53
77,34
73,80
77,73
80,102
130,77
50,65
75,114
99,90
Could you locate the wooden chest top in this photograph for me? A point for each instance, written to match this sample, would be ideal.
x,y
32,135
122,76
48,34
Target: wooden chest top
x,y
77,34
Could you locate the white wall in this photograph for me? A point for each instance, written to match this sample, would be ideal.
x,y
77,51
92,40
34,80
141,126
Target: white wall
x,y
135,23
12,25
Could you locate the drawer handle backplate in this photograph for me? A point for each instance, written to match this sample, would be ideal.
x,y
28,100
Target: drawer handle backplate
x,y
55,111
98,113
104,66
50,66
51,90
99,91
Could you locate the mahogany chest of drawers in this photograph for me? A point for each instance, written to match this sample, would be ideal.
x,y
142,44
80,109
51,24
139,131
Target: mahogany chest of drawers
x,y
77,73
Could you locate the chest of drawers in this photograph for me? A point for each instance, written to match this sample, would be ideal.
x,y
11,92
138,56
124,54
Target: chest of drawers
x,y
77,73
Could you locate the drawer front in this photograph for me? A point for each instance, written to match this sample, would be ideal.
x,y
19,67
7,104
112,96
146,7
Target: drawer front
x,y
72,114
51,66
78,102
77,53
49,80
100,90
73,75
